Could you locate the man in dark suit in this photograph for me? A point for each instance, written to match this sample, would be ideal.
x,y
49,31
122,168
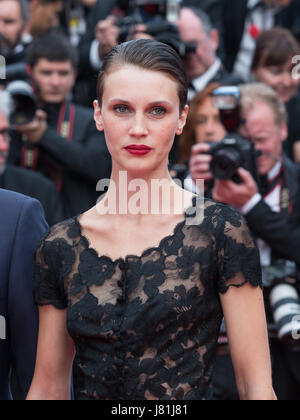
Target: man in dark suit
x,y
22,225
62,141
244,20
203,66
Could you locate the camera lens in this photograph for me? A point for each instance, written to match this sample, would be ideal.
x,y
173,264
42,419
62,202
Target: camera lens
x,y
285,305
225,163
24,103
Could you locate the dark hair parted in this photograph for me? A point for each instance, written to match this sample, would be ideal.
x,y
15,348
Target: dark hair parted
x,y
149,55
275,47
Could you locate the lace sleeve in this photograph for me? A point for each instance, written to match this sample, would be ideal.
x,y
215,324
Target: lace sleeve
x,y
238,256
48,267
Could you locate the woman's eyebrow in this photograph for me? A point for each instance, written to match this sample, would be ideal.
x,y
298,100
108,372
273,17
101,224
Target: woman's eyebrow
x,y
123,101
163,101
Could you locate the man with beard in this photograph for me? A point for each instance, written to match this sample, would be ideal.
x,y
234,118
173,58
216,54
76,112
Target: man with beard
x,y
14,15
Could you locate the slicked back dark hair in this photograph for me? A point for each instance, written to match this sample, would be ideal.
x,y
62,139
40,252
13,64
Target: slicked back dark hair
x,y
53,46
148,55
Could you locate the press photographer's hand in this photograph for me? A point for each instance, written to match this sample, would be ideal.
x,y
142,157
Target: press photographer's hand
x,y
35,130
200,162
236,195
107,34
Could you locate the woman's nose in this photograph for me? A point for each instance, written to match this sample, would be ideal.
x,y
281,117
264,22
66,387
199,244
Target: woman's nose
x,y
138,128
287,79
210,128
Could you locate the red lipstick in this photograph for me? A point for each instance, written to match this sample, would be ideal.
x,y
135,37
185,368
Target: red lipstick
x,y
138,150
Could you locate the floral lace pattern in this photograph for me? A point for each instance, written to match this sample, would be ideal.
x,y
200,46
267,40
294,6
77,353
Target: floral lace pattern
x,y
146,327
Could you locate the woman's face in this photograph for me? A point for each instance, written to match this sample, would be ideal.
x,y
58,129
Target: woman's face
x,y
140,117
280,78
208,126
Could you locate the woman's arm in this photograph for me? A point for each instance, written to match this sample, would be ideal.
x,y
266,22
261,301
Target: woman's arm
x,y
245,319
55,355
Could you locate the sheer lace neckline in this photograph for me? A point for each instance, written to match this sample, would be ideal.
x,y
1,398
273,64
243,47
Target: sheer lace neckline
x,y
144,253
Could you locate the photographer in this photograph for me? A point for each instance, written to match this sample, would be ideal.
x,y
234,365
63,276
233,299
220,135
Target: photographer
x,y
271,206
203,124
280,230
112,22
202,64
21,180
274,219
62,141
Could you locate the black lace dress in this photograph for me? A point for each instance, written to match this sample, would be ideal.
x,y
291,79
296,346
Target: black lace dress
x,y
146,327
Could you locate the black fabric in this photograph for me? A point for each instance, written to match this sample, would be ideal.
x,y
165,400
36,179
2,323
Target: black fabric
x,y
224,383
36,186
281,231
293,111
146,327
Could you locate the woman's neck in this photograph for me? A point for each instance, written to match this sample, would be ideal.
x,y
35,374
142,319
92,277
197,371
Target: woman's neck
x,y
151,194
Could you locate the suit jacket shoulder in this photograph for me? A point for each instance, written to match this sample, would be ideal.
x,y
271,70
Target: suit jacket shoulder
x,y
22,224
37,186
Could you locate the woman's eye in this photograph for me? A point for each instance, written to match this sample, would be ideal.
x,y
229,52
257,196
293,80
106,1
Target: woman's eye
x,y
121,109
275,70
201,120
158,111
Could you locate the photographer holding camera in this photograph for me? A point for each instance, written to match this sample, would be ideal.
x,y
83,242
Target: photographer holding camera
x,y
112,22
269,197
60,139
22,180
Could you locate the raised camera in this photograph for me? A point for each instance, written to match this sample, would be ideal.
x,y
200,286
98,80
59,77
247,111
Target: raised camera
x,y
234,151
24,103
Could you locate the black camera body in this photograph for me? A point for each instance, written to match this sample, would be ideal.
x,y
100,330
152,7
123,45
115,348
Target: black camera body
x,y
25,103
146,10
158,16
234,151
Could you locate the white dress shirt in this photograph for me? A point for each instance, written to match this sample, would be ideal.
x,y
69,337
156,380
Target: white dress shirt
x,y
273,201
201,82
263,19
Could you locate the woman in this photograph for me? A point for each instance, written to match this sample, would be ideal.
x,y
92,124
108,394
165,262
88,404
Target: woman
x,y
140,297
274,65
203,125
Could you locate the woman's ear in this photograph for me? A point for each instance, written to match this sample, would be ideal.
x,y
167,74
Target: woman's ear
x,y
98,116
182,120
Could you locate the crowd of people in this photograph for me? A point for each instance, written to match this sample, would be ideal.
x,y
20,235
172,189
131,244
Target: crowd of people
x,y
53,52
